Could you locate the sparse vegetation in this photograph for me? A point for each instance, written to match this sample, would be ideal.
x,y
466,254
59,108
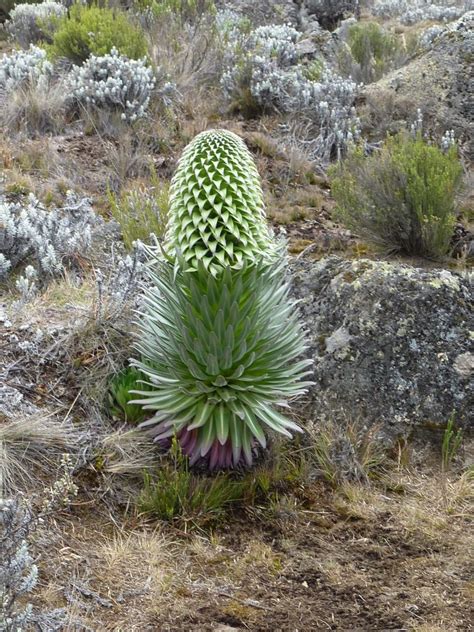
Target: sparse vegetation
x,y
188,11
402,197
263,73
141,211
413,11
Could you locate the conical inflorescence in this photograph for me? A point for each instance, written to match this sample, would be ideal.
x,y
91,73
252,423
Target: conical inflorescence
x,y
220,340
216,204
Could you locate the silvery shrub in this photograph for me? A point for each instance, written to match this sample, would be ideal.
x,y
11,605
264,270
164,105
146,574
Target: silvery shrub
x,y
31,23
116,83
21,68
45,239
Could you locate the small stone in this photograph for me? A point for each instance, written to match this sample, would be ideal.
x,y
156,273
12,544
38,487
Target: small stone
x,y
464,364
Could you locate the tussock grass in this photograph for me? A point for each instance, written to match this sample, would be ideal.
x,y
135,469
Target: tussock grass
x,y
127,158
128,453
34,109
345,453
190,56
31,447
95,350
141,209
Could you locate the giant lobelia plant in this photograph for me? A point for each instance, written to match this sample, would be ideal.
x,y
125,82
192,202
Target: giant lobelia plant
x,y
219,339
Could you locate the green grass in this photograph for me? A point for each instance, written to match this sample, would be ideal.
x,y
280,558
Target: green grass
x,y
174,492
452,440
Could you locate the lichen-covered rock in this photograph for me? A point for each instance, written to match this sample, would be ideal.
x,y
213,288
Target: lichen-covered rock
x,y
392,344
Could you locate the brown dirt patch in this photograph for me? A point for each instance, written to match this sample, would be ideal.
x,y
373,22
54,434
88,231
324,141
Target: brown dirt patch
x,y
360,558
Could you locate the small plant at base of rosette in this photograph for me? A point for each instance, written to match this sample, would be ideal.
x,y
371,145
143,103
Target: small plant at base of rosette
x,y
119,396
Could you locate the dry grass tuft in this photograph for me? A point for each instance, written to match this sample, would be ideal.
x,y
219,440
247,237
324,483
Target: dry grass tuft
x,y
437,506
189,56
38,158
31,447
137,561
128,453
345,453
34,109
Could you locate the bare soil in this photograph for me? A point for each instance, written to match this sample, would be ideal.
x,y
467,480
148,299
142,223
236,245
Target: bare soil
x,y
395,556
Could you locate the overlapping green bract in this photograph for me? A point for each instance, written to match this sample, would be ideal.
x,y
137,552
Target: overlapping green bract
x,y
216,204
220,352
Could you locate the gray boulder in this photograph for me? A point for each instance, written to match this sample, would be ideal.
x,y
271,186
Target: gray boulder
x,y
392,344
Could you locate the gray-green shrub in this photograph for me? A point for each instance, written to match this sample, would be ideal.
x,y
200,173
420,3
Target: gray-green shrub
x,y
7,5
112,82
374,50
401,197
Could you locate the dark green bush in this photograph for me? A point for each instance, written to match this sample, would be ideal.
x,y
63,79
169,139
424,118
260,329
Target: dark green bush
x,y
402,197
95,31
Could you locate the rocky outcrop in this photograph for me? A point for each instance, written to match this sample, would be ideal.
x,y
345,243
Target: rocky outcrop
x,y
392,344
440,82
